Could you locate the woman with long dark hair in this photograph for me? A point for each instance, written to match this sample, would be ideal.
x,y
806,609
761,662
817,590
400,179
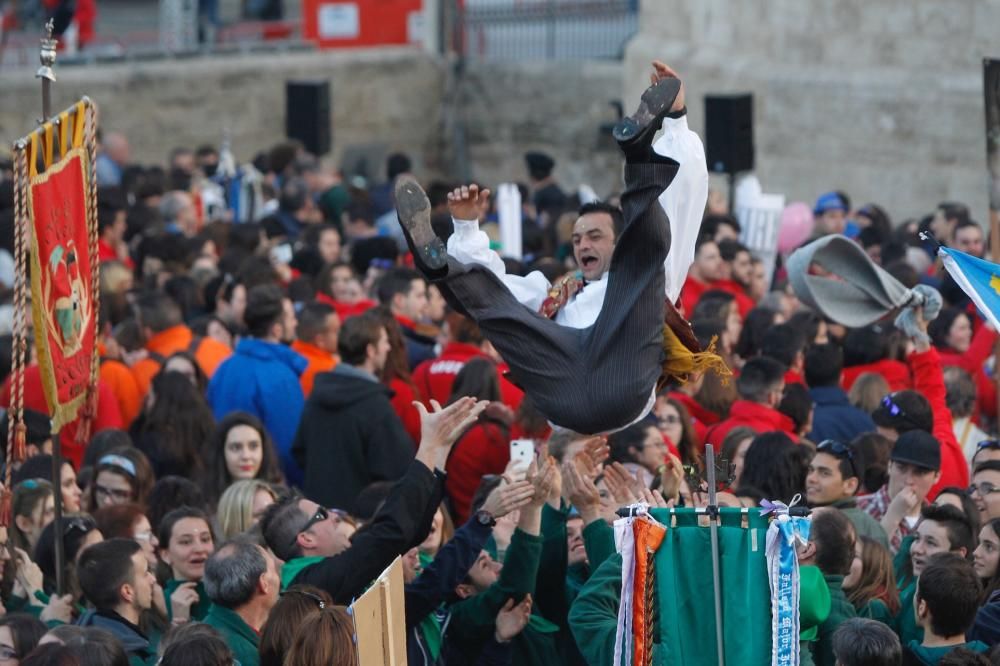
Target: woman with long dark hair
x,y
239,448
485,447
172,426
871,584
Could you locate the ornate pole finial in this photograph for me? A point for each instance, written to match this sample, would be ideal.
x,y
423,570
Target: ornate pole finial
x,y
47,56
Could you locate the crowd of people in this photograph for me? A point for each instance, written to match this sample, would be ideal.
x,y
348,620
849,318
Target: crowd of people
x,y
285,406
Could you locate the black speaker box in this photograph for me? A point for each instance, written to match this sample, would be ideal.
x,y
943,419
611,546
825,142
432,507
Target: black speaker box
x,y
729,133
307,114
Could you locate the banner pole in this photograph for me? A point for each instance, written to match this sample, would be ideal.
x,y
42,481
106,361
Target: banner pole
x,y
713,526
47,57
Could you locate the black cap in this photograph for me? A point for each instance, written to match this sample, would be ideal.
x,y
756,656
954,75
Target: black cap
x,y
919,448
540,165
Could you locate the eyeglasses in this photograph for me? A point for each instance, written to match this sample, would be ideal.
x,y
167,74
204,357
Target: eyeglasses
x,y
113,493
840,451
143,536
319,600
670,419
988,444
984,488
318,517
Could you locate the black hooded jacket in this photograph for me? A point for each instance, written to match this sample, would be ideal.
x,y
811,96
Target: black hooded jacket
x,y
349,436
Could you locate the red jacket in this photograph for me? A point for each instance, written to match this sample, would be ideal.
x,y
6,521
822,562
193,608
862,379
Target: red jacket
x,y
107,415
434,378
743,302
483,449
402,403
345,310
752,415
972,362
928,380
690,293
896,373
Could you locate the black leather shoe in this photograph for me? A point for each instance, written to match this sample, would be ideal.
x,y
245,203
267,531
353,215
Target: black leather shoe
x,y
414,210
635,133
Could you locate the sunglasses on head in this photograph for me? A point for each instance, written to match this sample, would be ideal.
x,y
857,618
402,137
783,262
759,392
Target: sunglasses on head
x,y
305,593
988,444
840,451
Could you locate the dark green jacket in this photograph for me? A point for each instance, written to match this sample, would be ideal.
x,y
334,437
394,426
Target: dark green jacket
x,y
877,610
200,608
239,636
840,611
917,654
593,619
473,620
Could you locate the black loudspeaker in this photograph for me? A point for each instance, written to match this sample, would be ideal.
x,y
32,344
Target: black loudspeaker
x,y
729,133
307,114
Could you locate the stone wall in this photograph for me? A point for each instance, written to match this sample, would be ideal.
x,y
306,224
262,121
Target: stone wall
x,y
881,99
382,101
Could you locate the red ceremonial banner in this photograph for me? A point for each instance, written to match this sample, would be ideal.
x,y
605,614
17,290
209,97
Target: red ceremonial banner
x,y
62,304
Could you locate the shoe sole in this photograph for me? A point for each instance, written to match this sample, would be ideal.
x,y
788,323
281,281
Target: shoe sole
x,y
653,107
414,211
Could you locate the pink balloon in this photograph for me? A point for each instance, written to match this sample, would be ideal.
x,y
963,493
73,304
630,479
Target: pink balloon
x,y
796,226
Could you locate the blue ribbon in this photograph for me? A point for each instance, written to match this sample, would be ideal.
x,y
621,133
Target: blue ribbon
x,y
783,576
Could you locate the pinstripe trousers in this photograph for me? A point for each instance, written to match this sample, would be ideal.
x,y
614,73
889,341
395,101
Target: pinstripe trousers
x,y
595,379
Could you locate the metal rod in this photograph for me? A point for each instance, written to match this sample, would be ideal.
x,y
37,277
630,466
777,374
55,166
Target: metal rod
x,y
713,526
57,527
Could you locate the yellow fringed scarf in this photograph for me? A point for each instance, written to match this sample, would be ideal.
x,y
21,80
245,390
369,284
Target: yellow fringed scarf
x,y
680,361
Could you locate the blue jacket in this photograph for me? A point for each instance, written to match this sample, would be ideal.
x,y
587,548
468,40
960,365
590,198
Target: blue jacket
x,y
137,646
262,378
835,417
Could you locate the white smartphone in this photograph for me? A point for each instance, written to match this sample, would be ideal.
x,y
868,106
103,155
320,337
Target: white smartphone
x,y
522,452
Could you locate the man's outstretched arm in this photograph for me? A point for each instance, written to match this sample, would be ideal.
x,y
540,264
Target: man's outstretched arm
x,y
470,245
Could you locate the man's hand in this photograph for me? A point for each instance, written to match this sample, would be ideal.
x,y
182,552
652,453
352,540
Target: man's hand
x,y
511,620
624,488
581,493
663,71
468,202
441,427
507,497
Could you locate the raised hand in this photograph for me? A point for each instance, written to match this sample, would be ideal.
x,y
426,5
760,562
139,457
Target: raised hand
x,y
468,202
512,619
507,497
671,476
581,492
441,427
624,488
663,71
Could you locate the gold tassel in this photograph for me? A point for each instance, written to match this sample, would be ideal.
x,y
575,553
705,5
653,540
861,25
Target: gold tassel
x,y
680,361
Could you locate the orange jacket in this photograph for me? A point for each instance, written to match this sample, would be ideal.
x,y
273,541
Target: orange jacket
x,y
210,354
320,360
119,378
